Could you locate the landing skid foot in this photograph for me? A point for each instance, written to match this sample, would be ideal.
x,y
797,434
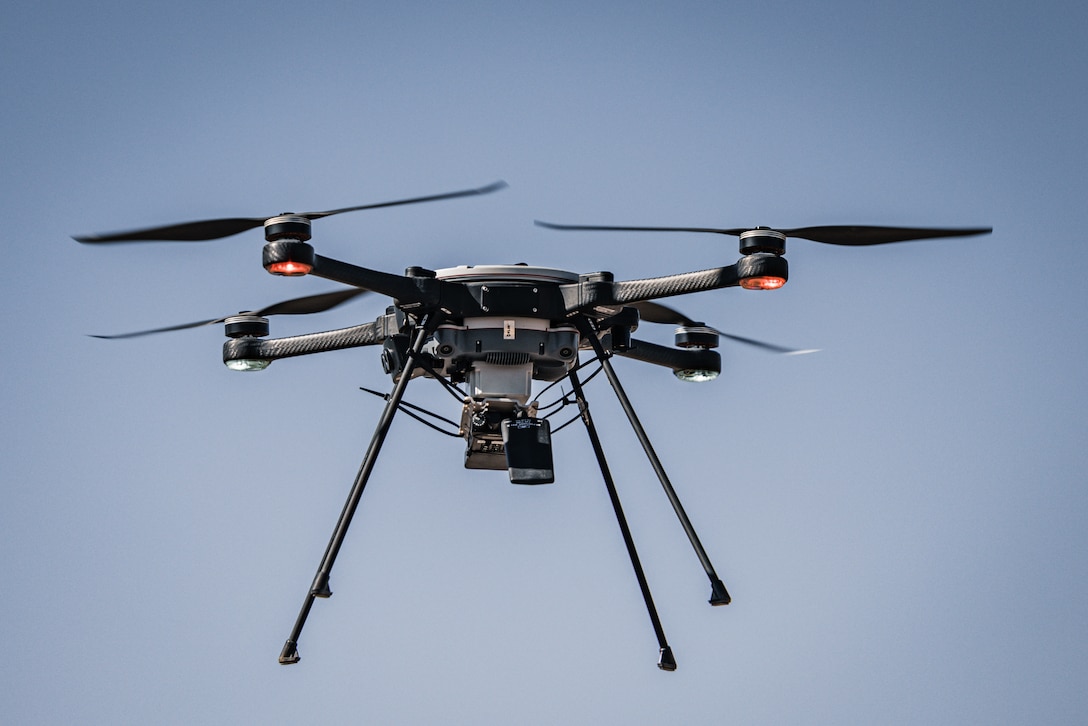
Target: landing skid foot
x,y
718,594
289,654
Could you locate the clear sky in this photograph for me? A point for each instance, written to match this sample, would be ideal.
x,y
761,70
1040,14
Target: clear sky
x,y
900,518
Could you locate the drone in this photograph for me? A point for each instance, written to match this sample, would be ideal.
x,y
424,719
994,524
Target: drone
x,y
486,333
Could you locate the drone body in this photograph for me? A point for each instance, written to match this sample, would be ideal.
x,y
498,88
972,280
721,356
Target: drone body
x,y
486,333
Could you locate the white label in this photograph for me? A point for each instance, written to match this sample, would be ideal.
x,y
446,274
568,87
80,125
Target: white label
x,y
508,329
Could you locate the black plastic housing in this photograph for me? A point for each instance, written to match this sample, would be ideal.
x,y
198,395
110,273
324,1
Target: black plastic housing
x,y
528,444
762,239
287,227
246,326
690,336
287,250
761,265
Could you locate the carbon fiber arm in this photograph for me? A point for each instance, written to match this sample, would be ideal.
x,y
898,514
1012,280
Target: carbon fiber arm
x,y
603,293
653,288
276,348
675,359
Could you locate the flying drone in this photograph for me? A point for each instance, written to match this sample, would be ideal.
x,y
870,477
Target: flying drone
x,y
487,332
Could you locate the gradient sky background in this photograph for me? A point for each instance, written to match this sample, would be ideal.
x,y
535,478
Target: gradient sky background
x,y
900,518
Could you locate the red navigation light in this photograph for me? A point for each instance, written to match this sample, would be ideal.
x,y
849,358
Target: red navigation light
x,y
288,257
290,268
763,282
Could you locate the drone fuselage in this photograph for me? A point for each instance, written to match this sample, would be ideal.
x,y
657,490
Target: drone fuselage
x,y
513,340
495,329
499,353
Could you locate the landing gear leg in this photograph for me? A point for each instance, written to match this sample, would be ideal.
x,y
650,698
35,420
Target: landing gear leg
x,y
320,586
718,594
665,661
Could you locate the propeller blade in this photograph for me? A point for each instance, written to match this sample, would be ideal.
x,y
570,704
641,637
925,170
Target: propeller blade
x,y
496,186
299,306
848,235
185,232
311,303
765,346
859,236
218,228
653,312
167,329
610,228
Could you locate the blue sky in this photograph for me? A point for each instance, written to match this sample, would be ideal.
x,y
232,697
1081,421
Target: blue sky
x,y
899,518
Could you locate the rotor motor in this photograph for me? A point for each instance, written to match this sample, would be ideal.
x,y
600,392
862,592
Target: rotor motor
x,y
287,251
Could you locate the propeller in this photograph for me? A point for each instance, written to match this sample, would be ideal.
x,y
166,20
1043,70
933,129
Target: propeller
x,y
209,229
298,306
653,312
847,235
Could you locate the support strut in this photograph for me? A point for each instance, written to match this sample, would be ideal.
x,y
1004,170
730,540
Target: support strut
x,y
320,586
718,594
666,661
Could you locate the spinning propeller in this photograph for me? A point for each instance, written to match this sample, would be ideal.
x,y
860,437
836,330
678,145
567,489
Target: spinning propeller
x,y
847,235
653,312
298,306
209,229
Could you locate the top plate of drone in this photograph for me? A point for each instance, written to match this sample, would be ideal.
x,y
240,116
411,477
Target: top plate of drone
x,y
505,273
